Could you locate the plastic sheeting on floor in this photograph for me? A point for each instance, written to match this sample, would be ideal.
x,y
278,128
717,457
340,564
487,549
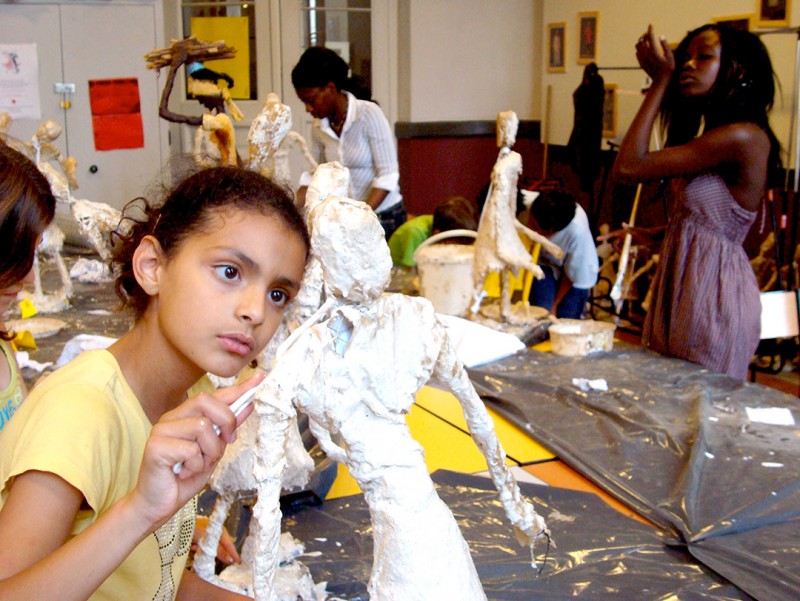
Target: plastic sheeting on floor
x,y
599,553
714,462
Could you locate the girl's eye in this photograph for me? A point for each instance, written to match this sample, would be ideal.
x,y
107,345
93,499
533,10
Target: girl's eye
x,y
227,272
279,297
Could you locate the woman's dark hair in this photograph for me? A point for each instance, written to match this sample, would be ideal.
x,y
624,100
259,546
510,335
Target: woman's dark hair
x,y
318,66
189,209
743,92
27,207
553,210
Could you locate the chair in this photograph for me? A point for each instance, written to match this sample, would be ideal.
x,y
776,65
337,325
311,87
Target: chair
x,y
780,325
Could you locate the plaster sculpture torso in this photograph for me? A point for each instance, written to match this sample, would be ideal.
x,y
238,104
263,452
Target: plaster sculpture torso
x,y
328,369
693,318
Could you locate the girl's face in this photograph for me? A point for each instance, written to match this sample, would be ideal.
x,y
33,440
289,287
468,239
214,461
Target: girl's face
x,y
9,294
319,102
221,296
699,72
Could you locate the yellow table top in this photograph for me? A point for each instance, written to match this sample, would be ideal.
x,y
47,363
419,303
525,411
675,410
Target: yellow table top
x,y
446,447
518,444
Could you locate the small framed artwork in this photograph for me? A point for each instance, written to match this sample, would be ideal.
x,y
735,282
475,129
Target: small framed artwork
x,y
742,22
610,111
556,47
773,13
587,37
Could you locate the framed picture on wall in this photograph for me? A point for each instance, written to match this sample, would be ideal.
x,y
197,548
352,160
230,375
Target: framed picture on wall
x,y
742,22
556,47
610,111
587,37
773,13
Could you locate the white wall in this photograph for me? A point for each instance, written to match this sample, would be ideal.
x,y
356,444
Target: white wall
x,y
620,24
469,59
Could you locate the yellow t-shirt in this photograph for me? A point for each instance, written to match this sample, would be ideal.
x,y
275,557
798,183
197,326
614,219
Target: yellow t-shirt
x,y
11,396
84,424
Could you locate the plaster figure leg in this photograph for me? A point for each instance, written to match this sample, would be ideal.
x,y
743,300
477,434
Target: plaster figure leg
x,y
205,558
273,425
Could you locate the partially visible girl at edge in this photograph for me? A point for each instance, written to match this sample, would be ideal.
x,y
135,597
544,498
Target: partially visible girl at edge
x,y
27,207
91,507
713,96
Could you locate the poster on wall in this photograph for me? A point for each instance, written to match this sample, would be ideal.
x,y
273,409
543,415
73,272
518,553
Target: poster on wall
x,y
19,81
234,31
116,113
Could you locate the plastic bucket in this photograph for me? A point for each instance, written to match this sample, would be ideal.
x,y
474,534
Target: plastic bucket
x,y
445,272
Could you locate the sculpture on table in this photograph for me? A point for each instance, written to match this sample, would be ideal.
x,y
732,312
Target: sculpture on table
x,y
498,247
234,474
270,138
327,370
215,142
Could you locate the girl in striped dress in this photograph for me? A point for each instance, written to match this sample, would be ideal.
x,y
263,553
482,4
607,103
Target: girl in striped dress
x,y
713,96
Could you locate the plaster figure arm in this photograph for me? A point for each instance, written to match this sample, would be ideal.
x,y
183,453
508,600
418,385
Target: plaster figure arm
x,y
536,237
449,371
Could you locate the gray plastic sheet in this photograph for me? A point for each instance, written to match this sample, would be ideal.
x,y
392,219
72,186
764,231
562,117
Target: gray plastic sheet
x,y
674,442
600,554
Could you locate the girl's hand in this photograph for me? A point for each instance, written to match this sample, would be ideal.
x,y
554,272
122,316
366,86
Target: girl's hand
x,y
655,56
186,435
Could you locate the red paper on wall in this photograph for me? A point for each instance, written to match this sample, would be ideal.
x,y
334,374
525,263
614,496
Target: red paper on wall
x,y
116,113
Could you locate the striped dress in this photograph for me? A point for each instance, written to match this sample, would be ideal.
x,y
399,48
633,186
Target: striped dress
x,y
706,306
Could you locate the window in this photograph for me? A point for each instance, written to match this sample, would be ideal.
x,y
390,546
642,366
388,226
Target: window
x,y
344,26
235,22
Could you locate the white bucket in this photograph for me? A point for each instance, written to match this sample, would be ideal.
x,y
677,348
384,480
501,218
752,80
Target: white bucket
x,y
445,272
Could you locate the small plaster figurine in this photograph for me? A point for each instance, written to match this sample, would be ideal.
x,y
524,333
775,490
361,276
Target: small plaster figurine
x,y
498,247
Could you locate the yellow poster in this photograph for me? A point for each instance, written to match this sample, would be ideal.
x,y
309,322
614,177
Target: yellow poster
x,y
234,32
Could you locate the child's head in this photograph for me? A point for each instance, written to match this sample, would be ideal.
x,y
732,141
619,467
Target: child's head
x,y
742,86
553,210
27,207
455,213
193,208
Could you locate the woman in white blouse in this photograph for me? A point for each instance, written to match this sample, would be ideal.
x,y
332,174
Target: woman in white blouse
x,y
352,131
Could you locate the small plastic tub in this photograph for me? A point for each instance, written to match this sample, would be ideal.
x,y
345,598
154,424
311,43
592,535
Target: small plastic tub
x,y
579,337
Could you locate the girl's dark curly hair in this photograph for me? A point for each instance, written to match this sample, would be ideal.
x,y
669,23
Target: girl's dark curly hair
x,y
27,207
743,92
189,209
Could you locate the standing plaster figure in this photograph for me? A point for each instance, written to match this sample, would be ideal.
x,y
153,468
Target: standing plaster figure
x,y
234,474
270,138
498,247
215,141
355,368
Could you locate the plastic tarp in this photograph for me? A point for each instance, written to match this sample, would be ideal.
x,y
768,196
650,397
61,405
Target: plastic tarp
x,y
599,553
714,462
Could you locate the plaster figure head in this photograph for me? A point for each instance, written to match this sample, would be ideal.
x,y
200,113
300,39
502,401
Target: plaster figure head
x,y
48,131
348,240
507,124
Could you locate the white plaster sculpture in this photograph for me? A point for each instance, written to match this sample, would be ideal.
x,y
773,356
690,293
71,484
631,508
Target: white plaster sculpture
x,y
354,368
234,474
270,138
215,142
52,244
498,247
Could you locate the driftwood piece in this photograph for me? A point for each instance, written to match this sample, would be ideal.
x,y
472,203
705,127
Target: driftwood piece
x,y
196,51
